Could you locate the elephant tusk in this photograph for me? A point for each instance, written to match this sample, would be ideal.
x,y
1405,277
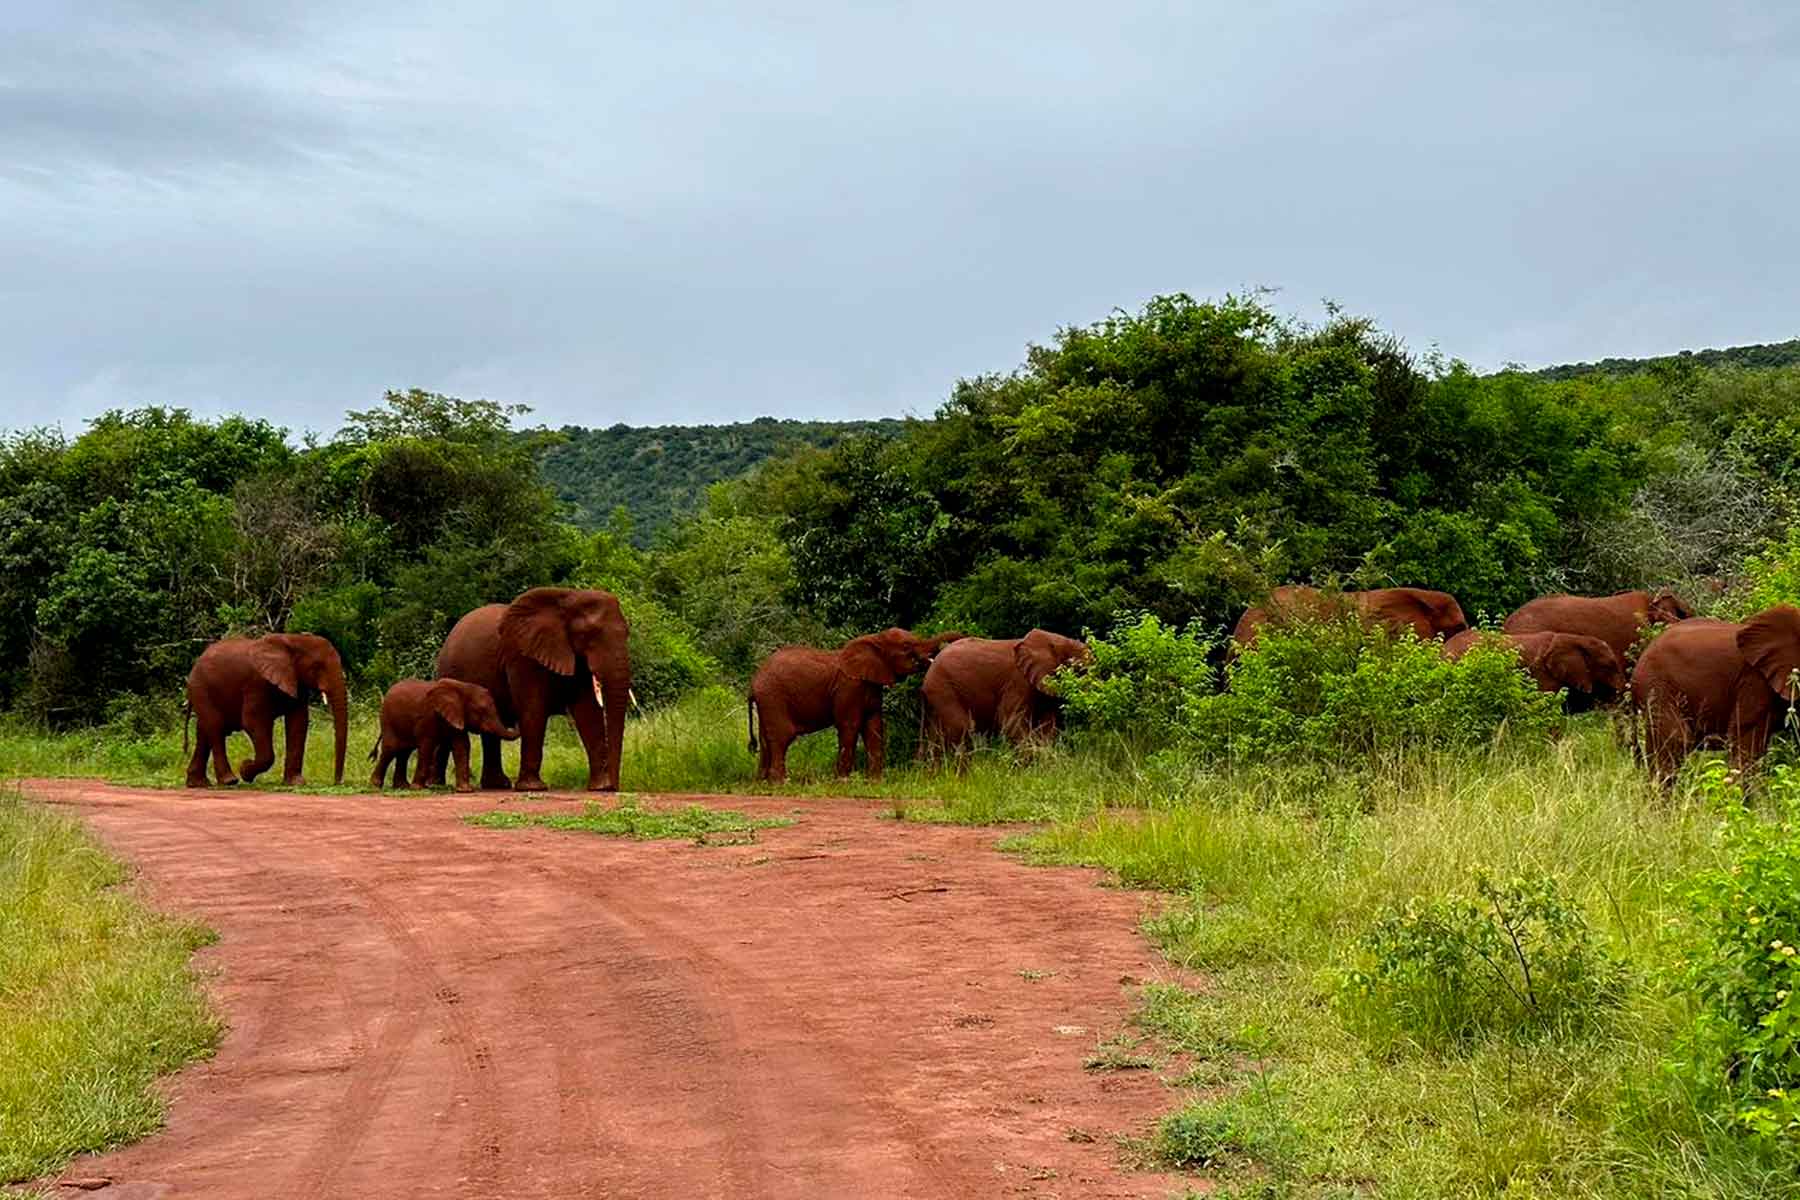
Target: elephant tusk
x,y
634,703
598,698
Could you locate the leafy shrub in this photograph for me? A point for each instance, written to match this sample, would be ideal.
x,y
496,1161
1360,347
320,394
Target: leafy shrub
x,y
664,663
1515,958
1773,576
1146,679
1742,964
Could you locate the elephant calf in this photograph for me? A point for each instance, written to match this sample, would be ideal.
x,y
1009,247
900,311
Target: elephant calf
x,y
983,685
429,717
1584,667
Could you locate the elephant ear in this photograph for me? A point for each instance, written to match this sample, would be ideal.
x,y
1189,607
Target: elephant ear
x,y
534,626
1573,665
448,701
1036,657
275,663
1770,642
862,659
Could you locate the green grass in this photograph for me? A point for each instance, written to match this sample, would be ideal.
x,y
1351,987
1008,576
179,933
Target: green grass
x,y
632,820
96,997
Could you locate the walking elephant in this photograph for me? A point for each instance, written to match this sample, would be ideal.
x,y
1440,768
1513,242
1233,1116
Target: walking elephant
x,y
552,650
1427,613
1618,620
801,689
1584,667
429,716
246,684
995,686
1704,681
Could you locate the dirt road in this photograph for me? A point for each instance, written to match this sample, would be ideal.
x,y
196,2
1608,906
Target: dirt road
x,y
422,1008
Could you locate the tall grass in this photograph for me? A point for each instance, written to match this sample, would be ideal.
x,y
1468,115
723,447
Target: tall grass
x,y
96,997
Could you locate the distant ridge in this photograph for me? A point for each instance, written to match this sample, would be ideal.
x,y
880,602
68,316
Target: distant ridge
x,y
1768,354
661,472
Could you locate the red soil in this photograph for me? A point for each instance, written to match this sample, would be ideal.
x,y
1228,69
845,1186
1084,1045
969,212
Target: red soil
x,y
422,1008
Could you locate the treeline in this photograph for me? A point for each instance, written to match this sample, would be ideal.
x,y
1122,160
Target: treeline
x,y
659,474
1175,462
1759,356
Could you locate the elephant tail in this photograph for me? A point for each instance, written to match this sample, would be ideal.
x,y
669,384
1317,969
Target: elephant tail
x,y
375,750
750,719
187,717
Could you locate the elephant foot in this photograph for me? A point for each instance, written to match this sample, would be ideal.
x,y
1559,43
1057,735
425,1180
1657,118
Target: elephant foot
x,y
196,781
602,786
496,783
298,781
228,781
530,785
465,786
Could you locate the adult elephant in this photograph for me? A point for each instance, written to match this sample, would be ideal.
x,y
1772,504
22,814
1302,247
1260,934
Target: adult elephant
x,y
995,686
247,683
1584,667
1427,613
552,650
1705,681
1618,620
802,689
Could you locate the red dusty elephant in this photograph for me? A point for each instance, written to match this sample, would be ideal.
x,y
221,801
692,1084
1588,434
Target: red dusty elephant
x,y
552,650
1427,613
801,689
1617,620
427,716
1584,667
1706,681
985,685
246,683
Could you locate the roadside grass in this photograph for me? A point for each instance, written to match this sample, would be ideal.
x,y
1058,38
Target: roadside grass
x,y
96,997
632,820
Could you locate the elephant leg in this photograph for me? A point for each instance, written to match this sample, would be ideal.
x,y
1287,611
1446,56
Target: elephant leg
x,y
493,771
532,722
847,732
777,743
403,779
196,771
874,736
1749,746
381,766
1667,740
459,749
259,723
764,752
590,724
293,759
430,751
220,743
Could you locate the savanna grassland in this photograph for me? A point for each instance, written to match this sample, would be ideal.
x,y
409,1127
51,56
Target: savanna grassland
x,y
1442,940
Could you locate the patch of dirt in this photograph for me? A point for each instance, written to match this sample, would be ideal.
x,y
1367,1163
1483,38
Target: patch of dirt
x,y
423,1008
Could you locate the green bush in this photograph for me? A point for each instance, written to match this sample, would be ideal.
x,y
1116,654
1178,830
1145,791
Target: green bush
x,y
1742,961
1146,678
1516,958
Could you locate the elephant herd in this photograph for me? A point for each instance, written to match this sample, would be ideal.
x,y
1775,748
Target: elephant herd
x,y
506,669
1700,682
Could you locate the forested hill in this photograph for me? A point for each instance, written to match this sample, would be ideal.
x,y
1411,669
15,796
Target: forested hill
x,y
659,473
1769,354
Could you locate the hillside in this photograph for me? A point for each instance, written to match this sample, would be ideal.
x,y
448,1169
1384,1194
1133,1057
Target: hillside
x,y
659,472
1770,354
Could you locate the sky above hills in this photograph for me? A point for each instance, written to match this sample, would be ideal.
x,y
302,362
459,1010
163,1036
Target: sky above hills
x,y
685,211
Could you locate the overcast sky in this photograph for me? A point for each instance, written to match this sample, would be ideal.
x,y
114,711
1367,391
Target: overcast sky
x,y
681,211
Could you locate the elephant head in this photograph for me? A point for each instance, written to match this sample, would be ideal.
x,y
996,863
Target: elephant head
x,y
575,632
1586,666
469,706
1041,654
1770,643
885,658
1666,608
298,663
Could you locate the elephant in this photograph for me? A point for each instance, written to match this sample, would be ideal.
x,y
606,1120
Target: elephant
x,y
1617,620
246,683
551,650
1585,667
995,686
1715,681
1427,613
425,715
803,689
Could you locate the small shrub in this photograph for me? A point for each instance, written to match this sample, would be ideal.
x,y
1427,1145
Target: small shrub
x,y
1146,678
1515,958
1742,964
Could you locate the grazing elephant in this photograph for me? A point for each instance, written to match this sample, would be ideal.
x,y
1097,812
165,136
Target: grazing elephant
x,y
1584,667
423,715
246,683
1427,613
1617,620
551,650
1714,681
800,689
983,685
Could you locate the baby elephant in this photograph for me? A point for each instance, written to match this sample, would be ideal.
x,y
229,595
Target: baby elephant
x,y
427,716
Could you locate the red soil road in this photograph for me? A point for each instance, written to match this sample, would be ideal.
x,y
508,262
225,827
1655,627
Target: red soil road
x,y
422,1008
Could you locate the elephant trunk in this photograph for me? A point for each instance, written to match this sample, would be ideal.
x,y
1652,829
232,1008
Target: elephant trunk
x,y
612,671
340,723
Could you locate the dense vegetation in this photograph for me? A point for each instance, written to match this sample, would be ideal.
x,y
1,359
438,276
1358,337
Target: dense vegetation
x,y
1454,943
660,473
1767,354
